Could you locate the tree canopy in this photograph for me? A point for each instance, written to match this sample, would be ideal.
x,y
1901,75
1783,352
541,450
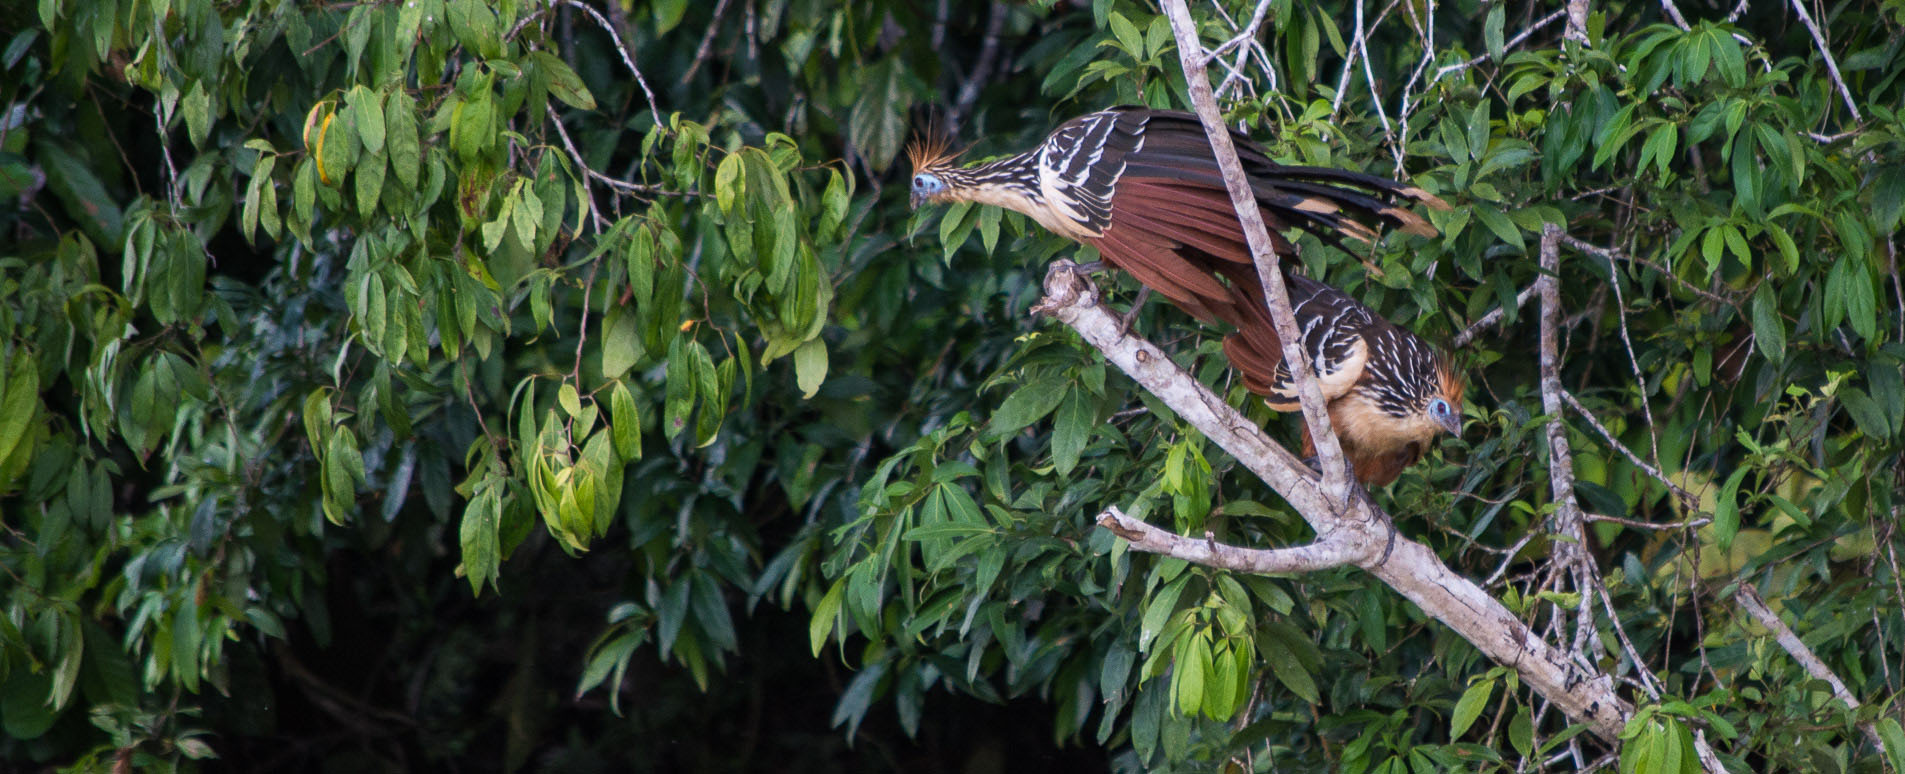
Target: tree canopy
x,y
567,385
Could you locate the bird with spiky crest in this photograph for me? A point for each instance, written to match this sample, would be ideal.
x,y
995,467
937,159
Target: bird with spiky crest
x,y
1143,187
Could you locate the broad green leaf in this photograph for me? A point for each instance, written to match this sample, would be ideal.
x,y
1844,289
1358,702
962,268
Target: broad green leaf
x,y
826,614
370,183
810,367
401,144
1071,430
876,124
1127,34
564,84
1470,707
1726,509
727,182
621,343
1769,326
367,109
1029,403
479,535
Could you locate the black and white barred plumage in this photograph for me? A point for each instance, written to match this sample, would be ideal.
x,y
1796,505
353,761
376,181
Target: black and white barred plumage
x,y
1144,188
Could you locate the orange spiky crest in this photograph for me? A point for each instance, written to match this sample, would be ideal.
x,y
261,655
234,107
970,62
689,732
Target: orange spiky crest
x,y
932,150
1453,385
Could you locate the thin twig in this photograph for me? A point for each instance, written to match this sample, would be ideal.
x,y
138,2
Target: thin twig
x,y
1614,254
1375,95
1248,34
1687,499
707,42
582,320
982,71
1494,316
1832,65
1755,605
1506,47
1638,524
1648,682
621,48
590,173
1627,342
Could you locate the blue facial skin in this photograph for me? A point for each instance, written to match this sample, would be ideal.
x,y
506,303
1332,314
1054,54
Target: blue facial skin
x,y
1444,415
926,185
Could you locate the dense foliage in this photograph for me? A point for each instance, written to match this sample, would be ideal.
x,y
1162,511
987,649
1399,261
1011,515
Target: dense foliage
x,y
316,318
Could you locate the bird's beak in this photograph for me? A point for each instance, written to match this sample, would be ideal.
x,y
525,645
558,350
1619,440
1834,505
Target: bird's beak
x,y
916,199
1451,423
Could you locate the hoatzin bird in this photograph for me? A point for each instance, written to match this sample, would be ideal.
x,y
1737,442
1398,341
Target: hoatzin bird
x,y
1143,187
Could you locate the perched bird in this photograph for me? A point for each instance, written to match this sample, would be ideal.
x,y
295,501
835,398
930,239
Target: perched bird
x,y
1389,393
1144,188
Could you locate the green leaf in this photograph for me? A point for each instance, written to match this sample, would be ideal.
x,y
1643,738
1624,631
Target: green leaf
x,y
1728,59
1726,509
1521,732
668,13
564,84
826,614
1500,225
1158,611
1281,660
876,125
24,713
1861,301
1191,665
621,342
1866,413
1478,130
1492,31
569,400
1769,327
401,144
810,367
1072,429
1787,249
1030,403
336,147
1127,34
197,109
370,183
834,205
1888,197
1470,707
367,109
727,182
479,535
626,422
1894,738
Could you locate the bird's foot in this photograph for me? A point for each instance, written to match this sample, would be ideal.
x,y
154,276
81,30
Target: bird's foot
x,y
1313,464
1381,516
1090,268
1131,315
1361,494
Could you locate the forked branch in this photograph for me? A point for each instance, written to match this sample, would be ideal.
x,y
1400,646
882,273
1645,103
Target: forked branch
x,y
1358,532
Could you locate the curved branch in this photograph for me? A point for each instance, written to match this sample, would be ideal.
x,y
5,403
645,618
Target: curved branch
x,y
1333,550
1357,531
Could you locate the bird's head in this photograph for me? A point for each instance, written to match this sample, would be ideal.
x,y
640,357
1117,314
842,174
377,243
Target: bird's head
x,y
1444,404
935,168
